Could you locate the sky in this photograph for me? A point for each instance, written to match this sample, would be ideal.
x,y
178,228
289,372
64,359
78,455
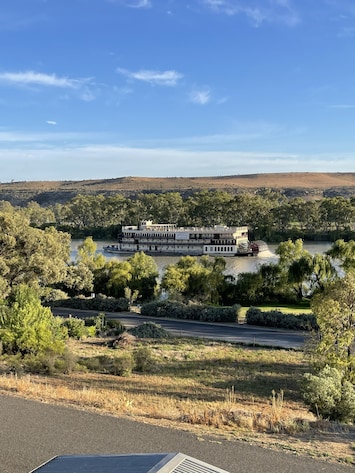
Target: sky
x,y
97,89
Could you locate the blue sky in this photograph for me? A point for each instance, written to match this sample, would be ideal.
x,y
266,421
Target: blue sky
x,y
110,88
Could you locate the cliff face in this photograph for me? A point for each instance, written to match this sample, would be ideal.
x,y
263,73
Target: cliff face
x,y
304,185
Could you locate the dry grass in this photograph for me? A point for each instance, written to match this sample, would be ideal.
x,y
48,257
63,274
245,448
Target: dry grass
x,y
305,180
248,393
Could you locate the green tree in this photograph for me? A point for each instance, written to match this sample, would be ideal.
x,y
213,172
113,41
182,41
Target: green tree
x,y
190,278
88,256
334,309
144,272
38,216
323,272
299,271
344,252
28,327
119,277
337,213
289,252
79,279
31,256
247,289
208,208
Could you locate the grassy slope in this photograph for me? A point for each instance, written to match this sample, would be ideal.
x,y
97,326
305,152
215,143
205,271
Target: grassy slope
x,y
251,181
239,392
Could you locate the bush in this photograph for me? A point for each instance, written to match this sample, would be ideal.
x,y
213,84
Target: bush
x,y
27,327
98,322
149,330
99,303
143,360
330,396
101,325
278,319
123,365
114,327
76,327
67,363
203,313
50,363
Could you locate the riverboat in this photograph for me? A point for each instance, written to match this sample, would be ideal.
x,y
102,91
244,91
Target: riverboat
x,y
170,240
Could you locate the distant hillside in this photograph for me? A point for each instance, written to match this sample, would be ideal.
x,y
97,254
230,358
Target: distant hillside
x,y
306,185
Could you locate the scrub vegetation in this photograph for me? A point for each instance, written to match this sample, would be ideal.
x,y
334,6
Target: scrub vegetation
x,y
301,401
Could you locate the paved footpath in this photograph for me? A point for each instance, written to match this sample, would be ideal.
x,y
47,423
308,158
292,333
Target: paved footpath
x,y
32,432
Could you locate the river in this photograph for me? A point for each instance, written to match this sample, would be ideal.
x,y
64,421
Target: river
x,y
234,265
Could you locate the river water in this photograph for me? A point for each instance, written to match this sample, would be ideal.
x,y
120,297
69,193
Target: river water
x,y
234,265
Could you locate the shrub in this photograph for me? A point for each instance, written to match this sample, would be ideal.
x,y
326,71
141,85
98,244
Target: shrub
x,y
149,330
91,332
114,327
75,327
123,364
67,363
93,364
278,319
98,322
27,327
101,325
100,303
46,363
330,396
49,295
143,360
203,313
38,364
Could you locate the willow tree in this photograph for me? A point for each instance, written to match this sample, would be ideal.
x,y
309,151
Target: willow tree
x,y
192,278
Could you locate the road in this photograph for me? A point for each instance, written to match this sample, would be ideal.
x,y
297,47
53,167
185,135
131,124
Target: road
x,y
234,333
33,432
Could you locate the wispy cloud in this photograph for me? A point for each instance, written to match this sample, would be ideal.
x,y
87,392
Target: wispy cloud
x,y
51,122
13,22
343,106
40,139
133,3
166,78
257,11
347,32
140,4
38,78
83,162
200,97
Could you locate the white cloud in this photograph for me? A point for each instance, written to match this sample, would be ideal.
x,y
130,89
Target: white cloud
x,y
133,3
166,78
51,122
200,97
82,86
38,78
41,138
257,11
140,4
99,162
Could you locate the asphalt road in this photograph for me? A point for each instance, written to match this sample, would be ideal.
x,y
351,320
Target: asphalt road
x,y
32,432
234,333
